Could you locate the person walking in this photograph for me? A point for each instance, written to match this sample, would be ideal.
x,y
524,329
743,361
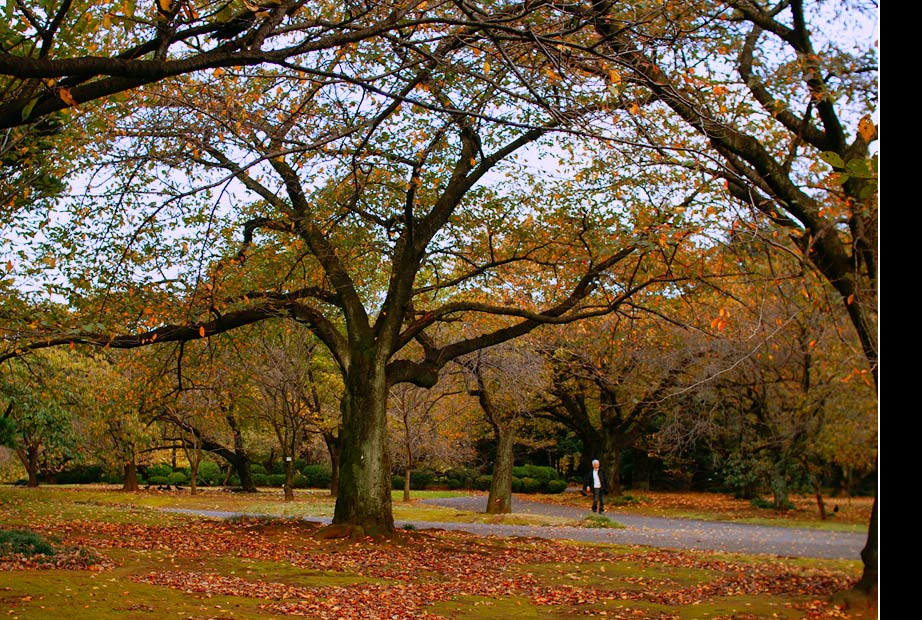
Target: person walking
x,y
597,483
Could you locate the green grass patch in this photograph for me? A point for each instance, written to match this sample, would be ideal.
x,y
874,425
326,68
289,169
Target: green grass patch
x,y
23,542
600,521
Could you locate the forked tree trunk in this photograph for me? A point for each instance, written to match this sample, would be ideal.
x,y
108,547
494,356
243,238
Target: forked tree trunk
x,y
29,457
364,497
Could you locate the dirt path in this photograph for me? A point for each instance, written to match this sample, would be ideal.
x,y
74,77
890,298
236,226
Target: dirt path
x,y
662,532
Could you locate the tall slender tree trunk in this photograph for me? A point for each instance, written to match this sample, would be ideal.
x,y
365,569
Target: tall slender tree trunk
x,y
500,498
406,483
289,479
364,497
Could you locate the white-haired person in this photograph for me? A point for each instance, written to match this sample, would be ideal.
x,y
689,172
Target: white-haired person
x,y
596,483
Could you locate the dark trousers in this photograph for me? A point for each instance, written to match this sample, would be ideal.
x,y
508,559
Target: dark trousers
x,y
598,500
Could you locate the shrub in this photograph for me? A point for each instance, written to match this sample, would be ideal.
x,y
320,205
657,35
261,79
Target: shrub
x,y
158,480
531,485
177,477
517,485
81,474
258,468
420,479
555,486
463,475
482,483
160,469
519,472
397,482
540,472
276,480
261,479
209,474
23,542
318,476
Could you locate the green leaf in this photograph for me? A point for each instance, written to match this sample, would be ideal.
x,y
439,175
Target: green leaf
x,y
27,109
832,158
861,168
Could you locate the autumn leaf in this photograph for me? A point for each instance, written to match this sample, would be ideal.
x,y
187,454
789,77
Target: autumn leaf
x,y
201,331
66,96
866,128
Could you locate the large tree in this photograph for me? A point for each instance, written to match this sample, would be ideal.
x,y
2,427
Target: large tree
x,y
374,196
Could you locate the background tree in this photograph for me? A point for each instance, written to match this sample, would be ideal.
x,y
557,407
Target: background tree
x,y
425,425
799,69
506,380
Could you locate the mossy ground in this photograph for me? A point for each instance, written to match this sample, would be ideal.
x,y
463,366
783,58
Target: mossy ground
x,y
170,565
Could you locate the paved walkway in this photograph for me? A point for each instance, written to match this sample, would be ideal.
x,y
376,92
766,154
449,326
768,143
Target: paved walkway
x,y
662,532
639,530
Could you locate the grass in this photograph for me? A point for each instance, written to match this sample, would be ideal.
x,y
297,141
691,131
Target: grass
x,y
129,560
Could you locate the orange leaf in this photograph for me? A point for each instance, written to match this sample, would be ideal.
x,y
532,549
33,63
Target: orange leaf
x,y
201,331
866,128
66,97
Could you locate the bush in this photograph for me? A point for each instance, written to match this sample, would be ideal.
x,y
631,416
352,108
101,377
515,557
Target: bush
x,y
517,485
81,474
23,542
397,482
160,469
261,479
276,480
531,485
209,474
461,475
177,477
482,483
258,468
555,486
419,480
158,480
318,476
539,472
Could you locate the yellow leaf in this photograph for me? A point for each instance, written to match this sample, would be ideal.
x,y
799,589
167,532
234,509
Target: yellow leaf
x,y
486,66
614,77
66,97
851,299
866,128
201,331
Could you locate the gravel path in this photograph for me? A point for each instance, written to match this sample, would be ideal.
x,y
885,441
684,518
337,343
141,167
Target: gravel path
x,y
662,532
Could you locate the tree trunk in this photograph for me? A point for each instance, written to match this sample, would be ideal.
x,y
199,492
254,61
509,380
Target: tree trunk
x,y
819,501
333,448
29,457
406,484
364,497
868,581
130,478
500,498
289,479
611,461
